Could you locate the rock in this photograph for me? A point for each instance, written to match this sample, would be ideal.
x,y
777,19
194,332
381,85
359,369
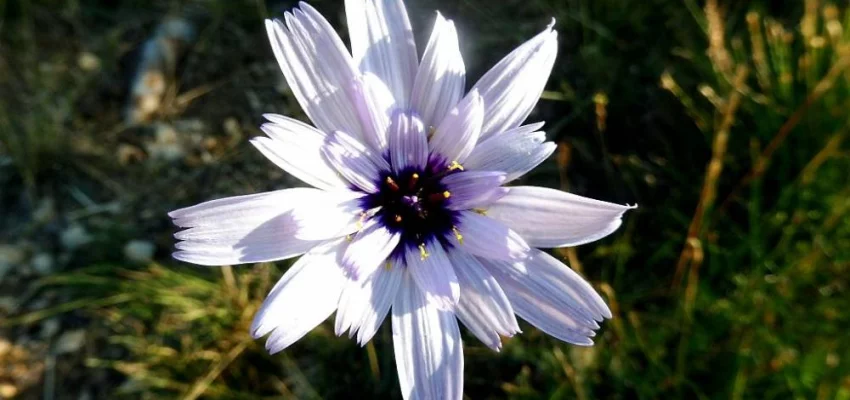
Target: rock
x,y
139,251
45,212
8,304
5,347
43,263
8,390
49,328
10,257
158,59
75,236
88,62
166,145
70,342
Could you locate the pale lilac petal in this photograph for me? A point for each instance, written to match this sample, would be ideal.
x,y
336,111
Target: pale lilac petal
x,y
364,304
408,142
483,307
433,273
317,68
551,296
428,348
333,214
441,77
246,229
474,189
359,165
456,135
552,218
369,250
382,43
485,237
305,296
514,152
296,147
513,86
374,104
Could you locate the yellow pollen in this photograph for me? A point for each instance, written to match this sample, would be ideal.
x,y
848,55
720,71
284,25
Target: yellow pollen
x,y
388,266
457,235
480,211
349,237
455,166
422,253
362,219
447,194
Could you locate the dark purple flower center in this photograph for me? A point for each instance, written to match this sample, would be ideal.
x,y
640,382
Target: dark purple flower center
x,y
413,203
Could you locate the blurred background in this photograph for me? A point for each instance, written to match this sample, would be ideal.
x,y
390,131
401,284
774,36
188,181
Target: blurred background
x,y
727,121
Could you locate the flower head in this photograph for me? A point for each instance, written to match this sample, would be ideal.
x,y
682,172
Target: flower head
x,y
408,212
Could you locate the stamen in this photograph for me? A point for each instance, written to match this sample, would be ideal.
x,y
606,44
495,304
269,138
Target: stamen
x,y
411,184
422,253
457,235
397,218
438,197
391,183
363,217
455,166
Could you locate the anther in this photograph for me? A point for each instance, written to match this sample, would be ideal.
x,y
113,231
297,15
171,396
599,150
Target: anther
x,y
422,253
438,197
480,211
391,183
455,166
397,218
457,235
411,184
363,217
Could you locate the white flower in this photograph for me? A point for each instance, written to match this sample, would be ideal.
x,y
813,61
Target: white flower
x,y
407,211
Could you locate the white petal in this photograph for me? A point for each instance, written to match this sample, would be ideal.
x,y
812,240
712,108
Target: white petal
x,y
374,104
514,152
483,307
485,237
473,189
333,214
317,68
382,43
433,273
513,86
441,77
369,250
551,296
428,348
364,304
246,229
296,147
305,296
359,165
408,142
456,135
552,218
